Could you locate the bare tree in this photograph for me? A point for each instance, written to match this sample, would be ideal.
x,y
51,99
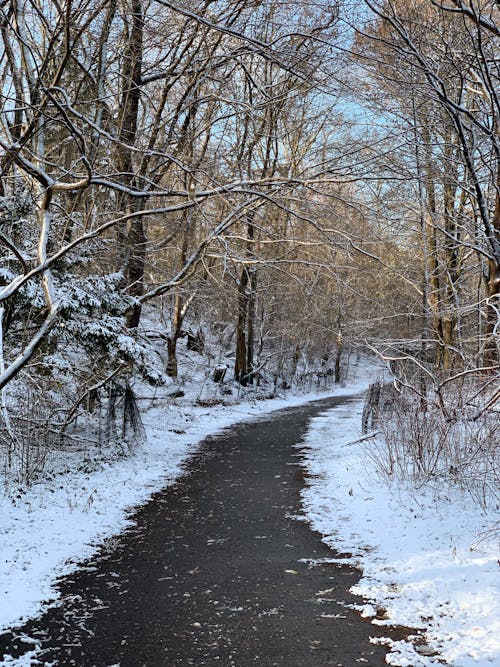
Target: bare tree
x,y
446,58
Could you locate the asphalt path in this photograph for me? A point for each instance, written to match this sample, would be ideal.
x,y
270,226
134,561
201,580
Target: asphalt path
x,y
214,571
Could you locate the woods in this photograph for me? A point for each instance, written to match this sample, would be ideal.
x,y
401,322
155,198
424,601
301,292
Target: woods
x,y
287,182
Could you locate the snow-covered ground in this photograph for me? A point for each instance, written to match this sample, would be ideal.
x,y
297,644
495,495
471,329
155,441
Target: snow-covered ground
x,y
422,559
48,529
429,558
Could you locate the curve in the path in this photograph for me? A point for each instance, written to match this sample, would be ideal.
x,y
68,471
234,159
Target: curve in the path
x,y
212,572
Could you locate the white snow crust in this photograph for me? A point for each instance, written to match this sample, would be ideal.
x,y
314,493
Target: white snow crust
x,y
429,558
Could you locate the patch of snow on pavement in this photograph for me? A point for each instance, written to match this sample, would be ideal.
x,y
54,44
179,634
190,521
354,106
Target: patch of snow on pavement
x,y
422,559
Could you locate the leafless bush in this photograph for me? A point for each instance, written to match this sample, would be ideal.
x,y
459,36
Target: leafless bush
x,y
440,441
25,444
43,429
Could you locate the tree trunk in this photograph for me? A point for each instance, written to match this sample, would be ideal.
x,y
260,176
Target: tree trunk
x,y
177,320
240,367
434,270
245,327
133,237
338,357
172,356
252,304
492,343
136,237
491,349
452,259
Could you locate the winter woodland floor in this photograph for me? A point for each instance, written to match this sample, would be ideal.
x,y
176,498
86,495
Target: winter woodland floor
x,y
427,557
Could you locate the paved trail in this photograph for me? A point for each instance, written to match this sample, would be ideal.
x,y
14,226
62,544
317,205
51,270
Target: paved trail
x,y
211,574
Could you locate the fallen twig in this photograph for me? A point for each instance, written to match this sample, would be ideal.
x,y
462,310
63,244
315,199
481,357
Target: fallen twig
x,y
364,437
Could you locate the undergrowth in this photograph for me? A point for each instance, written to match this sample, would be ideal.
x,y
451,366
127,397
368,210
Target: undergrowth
x,y
438,439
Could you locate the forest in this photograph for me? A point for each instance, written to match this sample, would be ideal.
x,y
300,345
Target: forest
x,y
274,186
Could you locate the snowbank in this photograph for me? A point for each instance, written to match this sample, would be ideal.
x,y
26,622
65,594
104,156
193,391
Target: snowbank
x,y
427,557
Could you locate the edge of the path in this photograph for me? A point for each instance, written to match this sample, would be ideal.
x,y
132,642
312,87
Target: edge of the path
x,y
48,529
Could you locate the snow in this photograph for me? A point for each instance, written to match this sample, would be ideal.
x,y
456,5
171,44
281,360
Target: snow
x,y
429,557
427,560
46,530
